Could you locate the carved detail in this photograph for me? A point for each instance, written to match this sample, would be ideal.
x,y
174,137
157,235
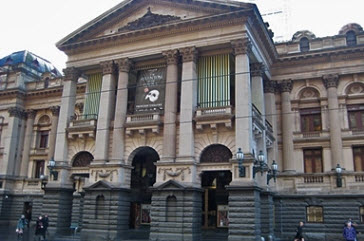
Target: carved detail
x,y
16,112
241,46
171,56
356,88
71,74
216,153
124,64
257,69
31,113
107,67
309,93
331,80
80,106
178,171
104,174
149,20
270,86
82,159
286,85
189,54
55,110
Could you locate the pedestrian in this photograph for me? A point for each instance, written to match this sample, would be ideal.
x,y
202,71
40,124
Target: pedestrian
x,y
46,224
39,229
349,232
22,222
299,233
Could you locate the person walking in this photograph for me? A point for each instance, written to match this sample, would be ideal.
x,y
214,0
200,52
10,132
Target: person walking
x,y
39,229
349,232
299,234
22,222
46,224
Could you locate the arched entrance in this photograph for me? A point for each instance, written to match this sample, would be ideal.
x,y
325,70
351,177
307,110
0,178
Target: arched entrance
x,y
143,176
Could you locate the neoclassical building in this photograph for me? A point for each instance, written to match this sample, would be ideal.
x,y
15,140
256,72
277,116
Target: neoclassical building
x,y
142,136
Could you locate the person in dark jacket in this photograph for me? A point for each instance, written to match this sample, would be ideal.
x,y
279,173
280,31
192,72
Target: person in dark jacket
x,y
299,234
39,229
349,232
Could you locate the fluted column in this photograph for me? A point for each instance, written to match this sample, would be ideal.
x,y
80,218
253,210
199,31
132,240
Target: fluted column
x,y
67,110
107,99
331,83
270,88
287,127
243,100
188,103
170,109
27,142
53,132
118,144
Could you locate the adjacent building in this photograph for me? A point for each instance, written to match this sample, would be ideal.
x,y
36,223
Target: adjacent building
x,y
143,135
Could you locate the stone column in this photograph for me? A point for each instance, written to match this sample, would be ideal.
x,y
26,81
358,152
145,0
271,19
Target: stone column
x,y
53,132
188,104
20,145
287,126
331,83
243,100
118,144
170,109
271,116
8,163
106,110
27,142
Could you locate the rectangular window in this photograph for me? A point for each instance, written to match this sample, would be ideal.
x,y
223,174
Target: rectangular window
x,y
92,101
310,120
43,139
39,168
315,214
313,160
214,80
361,213
358,153
356,117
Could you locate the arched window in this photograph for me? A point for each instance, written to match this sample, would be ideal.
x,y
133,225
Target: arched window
x,y
216,153
350,38
304,44
171,209
82,159
100,206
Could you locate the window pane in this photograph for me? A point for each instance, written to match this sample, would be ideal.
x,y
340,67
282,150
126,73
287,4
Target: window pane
x,y
313,161
39,168
314,214
358,159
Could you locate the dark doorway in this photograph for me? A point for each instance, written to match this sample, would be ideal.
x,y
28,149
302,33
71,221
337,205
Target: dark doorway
x,y
143,176
27,211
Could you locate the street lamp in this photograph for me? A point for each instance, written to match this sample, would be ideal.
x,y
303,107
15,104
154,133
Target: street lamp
x,y
51,166
339,181
240,158
272,173
260,165
44,181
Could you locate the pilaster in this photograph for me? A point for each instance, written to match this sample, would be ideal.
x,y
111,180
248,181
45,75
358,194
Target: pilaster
x,y
270,88
27,142
53,133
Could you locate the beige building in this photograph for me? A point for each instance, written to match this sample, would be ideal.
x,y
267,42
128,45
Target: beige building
x,y
140,138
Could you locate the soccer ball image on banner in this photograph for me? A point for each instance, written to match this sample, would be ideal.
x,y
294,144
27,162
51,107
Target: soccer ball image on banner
x,y
152,95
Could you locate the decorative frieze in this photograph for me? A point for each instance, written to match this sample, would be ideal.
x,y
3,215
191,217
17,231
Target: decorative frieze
x,y
330,80
189,54
71,74
270,86
107,67
171,56
17,112
55,110
286,85
241,46
257,69
179,171
124,64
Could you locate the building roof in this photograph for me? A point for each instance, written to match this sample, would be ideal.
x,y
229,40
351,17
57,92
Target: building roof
x,y
30,60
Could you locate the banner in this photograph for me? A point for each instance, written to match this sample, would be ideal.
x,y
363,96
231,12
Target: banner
x,y
150,90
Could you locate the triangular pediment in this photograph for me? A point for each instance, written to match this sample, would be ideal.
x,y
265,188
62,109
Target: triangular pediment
x,y
134,15
100,185
171,184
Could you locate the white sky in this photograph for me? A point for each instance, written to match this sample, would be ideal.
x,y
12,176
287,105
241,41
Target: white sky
x,y
36,25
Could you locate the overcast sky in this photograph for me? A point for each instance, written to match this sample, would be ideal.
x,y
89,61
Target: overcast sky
x,y
36,25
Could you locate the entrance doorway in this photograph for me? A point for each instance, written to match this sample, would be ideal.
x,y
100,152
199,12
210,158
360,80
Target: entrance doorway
x,y
27,211
143,176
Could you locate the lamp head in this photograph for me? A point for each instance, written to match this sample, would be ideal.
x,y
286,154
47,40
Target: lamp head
x,y
338,169
274,166
261,156
239,154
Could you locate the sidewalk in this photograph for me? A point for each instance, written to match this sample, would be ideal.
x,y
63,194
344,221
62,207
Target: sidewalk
x,y
7,233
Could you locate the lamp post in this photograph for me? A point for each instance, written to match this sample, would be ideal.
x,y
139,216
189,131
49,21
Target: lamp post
x,y
44,181
240,158
260,165
272,173
339,181
51,166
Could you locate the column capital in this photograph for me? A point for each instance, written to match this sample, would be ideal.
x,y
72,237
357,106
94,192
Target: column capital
x,y
331,80
257,69
241,46
124,64
270,86
107,67
55,110
286,85
171,56
71,74
31,113
189,54
17,112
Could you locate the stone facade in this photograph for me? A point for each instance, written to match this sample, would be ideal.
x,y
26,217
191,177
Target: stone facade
x,y
144,132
